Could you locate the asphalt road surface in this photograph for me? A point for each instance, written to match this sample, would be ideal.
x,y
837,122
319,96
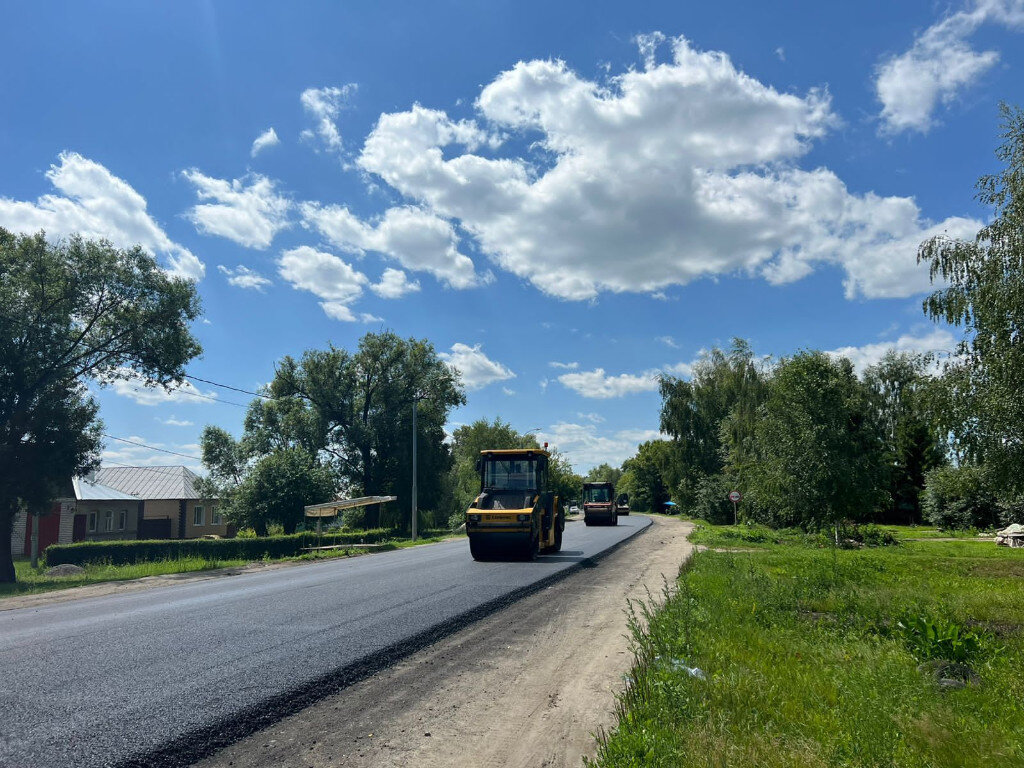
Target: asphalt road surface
x,y
165,676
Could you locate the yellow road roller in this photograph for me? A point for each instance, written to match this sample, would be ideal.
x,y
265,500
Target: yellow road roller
x,y
516,515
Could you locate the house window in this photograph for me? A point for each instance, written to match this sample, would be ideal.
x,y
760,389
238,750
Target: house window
x,y
199,516
215,516
108,520
92,522
122,519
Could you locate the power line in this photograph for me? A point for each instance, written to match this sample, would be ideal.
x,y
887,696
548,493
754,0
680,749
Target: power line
x,y
228,386
153,447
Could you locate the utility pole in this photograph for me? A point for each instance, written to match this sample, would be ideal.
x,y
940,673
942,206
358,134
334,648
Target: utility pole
x,y
33,522
415,407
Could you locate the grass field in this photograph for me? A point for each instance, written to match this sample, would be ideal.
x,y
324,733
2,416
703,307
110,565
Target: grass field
x,y
35,580
798,654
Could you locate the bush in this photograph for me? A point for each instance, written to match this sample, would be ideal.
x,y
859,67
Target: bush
x,y
959,498
1011,511
353,518
711,499
869,535
928,639
126,552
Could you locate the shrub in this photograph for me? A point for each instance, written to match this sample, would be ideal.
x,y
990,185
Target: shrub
x,y
125,552
930,639
711,499
1011,510
353,518
959,498
869,535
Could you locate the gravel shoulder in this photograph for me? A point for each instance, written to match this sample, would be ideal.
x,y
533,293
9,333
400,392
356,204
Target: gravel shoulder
x,y
527,686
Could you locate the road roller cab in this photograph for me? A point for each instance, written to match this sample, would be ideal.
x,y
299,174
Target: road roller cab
x,y
516,515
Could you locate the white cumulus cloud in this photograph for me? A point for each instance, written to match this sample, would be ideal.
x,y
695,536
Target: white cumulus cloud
x,y
324,105
93,202
938,342
417,239
476,368
394,284
599,385
325,276
939,65
265,140
586,447
248,211
243,277
136,389
655,177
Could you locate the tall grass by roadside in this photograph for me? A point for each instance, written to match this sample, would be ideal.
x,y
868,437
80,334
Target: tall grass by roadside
x,y
798,654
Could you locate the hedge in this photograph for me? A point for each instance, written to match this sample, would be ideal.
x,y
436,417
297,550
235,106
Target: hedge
x,y
125,552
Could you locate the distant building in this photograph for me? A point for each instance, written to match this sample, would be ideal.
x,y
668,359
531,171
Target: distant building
x,y
172,506
87,511
118,503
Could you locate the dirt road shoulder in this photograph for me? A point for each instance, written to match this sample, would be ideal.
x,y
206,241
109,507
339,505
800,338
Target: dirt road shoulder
x,y
527,686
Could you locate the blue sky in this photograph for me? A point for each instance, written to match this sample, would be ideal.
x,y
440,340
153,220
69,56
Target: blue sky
x,y
566,199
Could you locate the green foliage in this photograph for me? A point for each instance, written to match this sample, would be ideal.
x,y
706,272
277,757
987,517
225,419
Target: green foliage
x,y
604,473
74,311
711,499
277,488
984,286
959,498
646,476
928,639
270,547
819,446
711,417
869,535
902,396
352,412
566,484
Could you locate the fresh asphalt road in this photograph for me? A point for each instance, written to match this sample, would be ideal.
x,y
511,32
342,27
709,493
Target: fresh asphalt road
x,y
111,680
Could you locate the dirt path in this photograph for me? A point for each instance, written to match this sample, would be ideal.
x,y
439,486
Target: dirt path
x,y
525,687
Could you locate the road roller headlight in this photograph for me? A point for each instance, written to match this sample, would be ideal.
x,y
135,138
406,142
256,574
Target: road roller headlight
x,y
474,518
523,518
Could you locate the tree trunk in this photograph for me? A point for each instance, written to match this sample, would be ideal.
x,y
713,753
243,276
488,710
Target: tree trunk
x,y
260,527
7,575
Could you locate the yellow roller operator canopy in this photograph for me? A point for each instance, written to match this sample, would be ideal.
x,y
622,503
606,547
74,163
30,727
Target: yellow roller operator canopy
x,y
510,479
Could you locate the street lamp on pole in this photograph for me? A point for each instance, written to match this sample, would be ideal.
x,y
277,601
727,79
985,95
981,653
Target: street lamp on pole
x,y
414,510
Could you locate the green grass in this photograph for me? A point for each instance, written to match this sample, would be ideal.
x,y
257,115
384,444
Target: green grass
x,y
811,656
31,581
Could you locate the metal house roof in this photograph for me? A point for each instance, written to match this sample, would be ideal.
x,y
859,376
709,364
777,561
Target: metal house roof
x,y
90,490
152,482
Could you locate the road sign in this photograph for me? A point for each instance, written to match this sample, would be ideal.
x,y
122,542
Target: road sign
x,y
734,496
